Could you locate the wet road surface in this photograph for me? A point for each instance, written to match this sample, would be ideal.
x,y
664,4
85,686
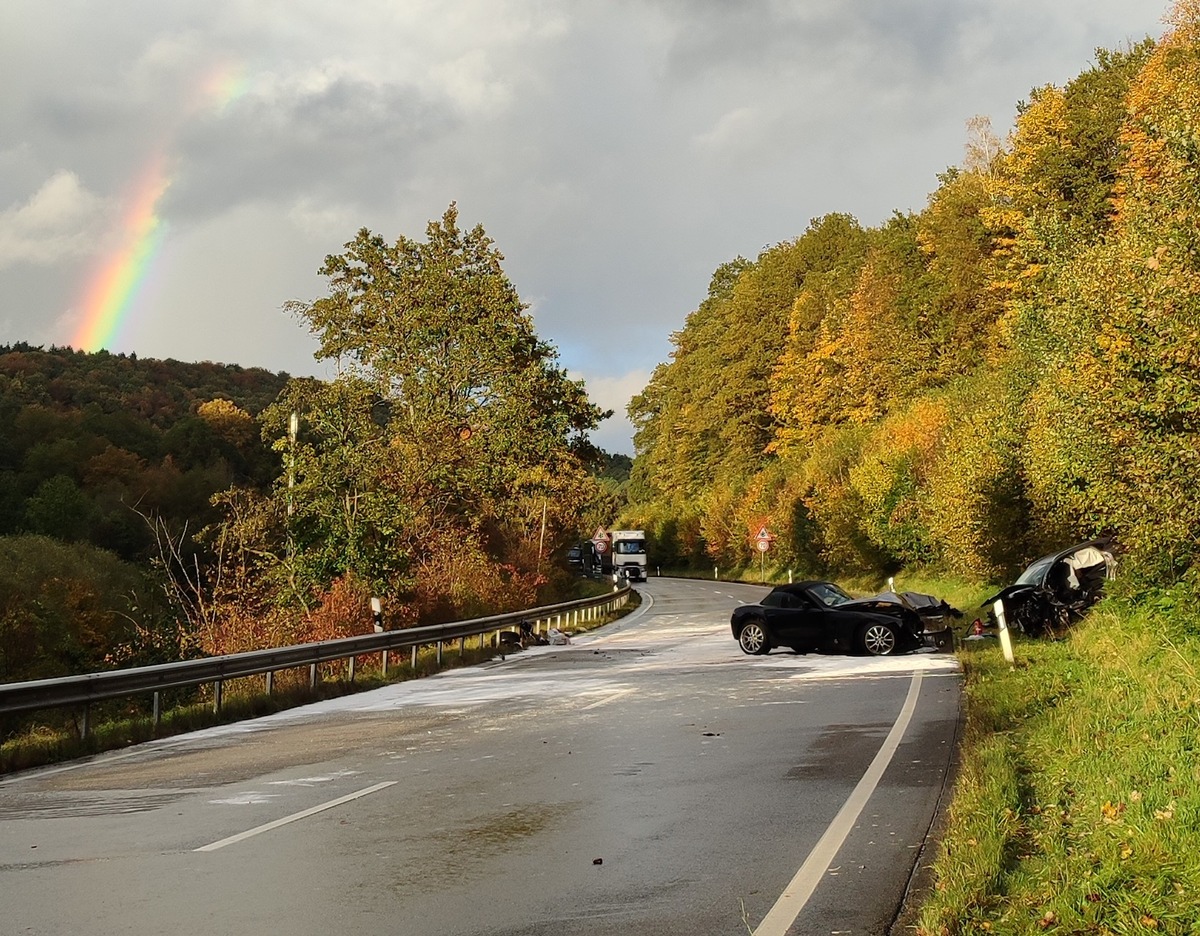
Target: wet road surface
x,y
647,779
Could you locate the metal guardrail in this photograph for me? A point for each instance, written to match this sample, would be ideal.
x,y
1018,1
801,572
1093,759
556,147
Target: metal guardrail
x,y
93,687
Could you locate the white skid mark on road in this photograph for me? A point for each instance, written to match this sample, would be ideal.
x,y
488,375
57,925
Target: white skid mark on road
x,y
313,781
609,698
250,798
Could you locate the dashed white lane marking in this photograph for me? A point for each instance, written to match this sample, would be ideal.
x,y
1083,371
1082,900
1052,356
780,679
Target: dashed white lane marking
x,y
783,914
267,827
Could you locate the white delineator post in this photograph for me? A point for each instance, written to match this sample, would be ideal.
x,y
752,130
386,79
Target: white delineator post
x,y
1005,637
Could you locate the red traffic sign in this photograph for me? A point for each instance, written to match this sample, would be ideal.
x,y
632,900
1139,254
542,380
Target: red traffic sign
x,y
763,544
764,534
600,545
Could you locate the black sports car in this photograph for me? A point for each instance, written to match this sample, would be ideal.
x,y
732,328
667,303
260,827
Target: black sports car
x,y
820,616
1057,589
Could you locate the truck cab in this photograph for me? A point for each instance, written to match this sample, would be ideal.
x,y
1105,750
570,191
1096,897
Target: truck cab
x,y
629,554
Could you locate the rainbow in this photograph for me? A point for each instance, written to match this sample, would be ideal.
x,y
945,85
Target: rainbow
x,y
116,283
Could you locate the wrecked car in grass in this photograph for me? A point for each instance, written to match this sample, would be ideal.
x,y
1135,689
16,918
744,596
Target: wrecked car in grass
x,y
819,616
1056,590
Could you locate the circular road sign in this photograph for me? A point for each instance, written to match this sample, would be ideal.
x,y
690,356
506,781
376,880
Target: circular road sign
x,y
600,545
764,545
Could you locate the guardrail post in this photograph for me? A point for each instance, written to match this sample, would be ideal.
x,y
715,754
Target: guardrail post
x,y
414,657
352,661
439,653
218,691
312,677
270,681
462,645
385,663
84,725
157,710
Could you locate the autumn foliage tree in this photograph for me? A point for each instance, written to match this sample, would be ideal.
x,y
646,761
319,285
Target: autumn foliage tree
x,y
1009,369
443,461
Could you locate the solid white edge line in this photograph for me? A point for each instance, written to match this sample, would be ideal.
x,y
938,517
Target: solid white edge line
x,y
640,610
267,827
783,914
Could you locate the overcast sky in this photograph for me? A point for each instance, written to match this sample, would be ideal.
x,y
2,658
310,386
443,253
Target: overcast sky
x,y
617,152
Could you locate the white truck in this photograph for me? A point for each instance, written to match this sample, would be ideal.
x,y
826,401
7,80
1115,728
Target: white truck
x,y
629,554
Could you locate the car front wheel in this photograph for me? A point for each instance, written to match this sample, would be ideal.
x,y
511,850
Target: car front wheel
x,y
753,639
878,640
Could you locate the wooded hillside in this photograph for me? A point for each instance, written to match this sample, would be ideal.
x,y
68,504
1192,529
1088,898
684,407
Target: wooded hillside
x,y
1011,369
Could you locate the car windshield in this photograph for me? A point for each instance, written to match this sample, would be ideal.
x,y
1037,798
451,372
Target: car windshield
x,y
829,595
1036,573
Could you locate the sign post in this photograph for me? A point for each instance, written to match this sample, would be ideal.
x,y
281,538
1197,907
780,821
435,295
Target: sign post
x,y
600,541
763,543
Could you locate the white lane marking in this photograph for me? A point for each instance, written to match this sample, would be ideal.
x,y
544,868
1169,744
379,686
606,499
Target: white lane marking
x,y
607,699
267,827
783,914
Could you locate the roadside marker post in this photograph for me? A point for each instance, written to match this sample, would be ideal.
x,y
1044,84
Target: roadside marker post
x,y
1005,637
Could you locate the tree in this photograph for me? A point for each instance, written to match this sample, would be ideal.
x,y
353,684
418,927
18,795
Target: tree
x,y
450,421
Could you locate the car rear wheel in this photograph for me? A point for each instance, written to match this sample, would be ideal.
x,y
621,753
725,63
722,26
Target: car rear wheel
x,y
753,639
878,639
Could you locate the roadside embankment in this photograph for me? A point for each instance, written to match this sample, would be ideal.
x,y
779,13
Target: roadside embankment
x,y
1077,807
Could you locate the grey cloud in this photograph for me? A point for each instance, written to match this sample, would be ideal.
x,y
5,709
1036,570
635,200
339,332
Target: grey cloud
x,y
617,156
350,141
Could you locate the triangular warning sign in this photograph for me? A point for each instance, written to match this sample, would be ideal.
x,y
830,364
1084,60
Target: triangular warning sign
x,y
763,534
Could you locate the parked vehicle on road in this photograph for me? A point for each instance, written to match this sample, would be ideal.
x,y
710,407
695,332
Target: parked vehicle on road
x,y
820,616
1056,590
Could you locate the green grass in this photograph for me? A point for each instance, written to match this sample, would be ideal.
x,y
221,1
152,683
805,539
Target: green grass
x,y
1077,807
58,741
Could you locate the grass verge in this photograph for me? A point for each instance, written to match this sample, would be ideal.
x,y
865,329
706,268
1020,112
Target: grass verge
x,y
1077,807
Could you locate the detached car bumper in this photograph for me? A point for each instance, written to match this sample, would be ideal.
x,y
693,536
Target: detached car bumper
x,y
939,639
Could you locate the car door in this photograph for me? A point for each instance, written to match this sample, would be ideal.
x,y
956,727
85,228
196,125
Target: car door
x,y
798,624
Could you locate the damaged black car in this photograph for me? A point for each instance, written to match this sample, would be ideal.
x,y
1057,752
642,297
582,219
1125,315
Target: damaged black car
x,y
819,616
1056,590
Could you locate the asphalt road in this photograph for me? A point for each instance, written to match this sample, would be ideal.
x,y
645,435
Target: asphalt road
x,y
647,779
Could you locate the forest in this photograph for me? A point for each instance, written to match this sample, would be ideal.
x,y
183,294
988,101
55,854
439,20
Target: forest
x,y
1007,371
